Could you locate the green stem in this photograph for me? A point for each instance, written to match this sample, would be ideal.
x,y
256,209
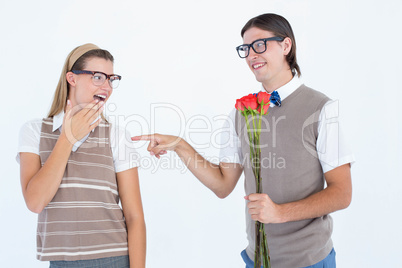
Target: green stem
x,y
256,154
265,249
259,123
257,253
261,254
249,134
254,132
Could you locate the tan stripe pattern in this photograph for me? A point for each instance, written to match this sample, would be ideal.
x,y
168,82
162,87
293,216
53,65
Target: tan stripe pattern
x,y
83,220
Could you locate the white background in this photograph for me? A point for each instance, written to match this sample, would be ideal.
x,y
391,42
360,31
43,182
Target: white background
x,y
183,53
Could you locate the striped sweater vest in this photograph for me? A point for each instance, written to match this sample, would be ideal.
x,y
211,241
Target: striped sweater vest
x,y
290,171
83,220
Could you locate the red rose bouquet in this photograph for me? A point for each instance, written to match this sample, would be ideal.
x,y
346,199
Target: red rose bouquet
x,y
253,106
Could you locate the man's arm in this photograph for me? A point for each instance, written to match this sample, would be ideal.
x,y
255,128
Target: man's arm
x,y
221,179
336,196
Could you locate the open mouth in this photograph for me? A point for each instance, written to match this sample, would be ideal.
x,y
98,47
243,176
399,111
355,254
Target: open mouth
x,y
100,97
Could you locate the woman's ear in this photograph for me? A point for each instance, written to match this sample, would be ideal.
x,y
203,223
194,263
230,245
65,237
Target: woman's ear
x,y
70,78
287,45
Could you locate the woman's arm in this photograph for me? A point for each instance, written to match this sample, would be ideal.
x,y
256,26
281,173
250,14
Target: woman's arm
x,y
40,184
130,196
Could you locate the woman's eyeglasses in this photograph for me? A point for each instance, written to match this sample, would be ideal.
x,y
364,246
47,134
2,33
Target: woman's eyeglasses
x,y
99,78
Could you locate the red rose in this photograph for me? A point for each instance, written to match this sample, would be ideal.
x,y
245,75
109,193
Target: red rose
x,y
263,97
250,101
239,105
265,109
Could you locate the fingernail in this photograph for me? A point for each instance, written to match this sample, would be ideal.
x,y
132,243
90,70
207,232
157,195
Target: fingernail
x,y
152,153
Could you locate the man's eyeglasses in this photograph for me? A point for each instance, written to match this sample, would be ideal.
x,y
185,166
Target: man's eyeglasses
x,y
99,78
259,46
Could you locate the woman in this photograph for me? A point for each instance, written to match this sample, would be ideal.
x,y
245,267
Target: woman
x,y
75,166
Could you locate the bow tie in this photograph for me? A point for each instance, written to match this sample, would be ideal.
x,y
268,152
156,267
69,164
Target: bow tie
x,y
275,98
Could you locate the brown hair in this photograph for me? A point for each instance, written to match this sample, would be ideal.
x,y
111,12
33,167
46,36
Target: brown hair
x,y
280,27
76,60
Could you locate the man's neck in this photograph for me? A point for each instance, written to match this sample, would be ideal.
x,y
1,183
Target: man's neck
x,y
271,85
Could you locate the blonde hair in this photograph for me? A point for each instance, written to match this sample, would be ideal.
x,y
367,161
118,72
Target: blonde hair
x,y
61,93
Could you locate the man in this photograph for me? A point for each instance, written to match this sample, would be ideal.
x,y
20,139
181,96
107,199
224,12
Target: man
x,y
302,149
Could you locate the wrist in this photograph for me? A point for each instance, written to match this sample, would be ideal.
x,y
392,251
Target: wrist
x,y
64,140
284,212
180,146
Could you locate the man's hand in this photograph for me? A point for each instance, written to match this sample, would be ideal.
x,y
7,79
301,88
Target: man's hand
x,y
337,195
159,144
263,209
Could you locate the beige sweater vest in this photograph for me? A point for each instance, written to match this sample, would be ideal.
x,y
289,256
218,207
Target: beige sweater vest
x,y
83,220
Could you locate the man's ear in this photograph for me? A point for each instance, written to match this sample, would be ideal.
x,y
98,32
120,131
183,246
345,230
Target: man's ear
x,y
70,78
287,45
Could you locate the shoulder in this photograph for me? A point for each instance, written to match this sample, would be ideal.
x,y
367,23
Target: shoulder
x,y
29,137
33,125
229,118
35,121
232,114
125,155
313,93
118,134
312,98
115,128
232,119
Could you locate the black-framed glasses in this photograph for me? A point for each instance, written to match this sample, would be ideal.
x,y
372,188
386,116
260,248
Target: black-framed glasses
x,y
259,46
99,78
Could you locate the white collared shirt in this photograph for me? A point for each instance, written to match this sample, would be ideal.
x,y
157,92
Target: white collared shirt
x,y
125,156
287,89
332,148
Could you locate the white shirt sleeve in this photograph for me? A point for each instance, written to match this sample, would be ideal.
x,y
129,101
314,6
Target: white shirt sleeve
x,y
332,148
125,156
29,137
230,151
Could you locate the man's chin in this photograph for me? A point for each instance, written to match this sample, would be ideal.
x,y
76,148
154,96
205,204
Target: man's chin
x,y
259,78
